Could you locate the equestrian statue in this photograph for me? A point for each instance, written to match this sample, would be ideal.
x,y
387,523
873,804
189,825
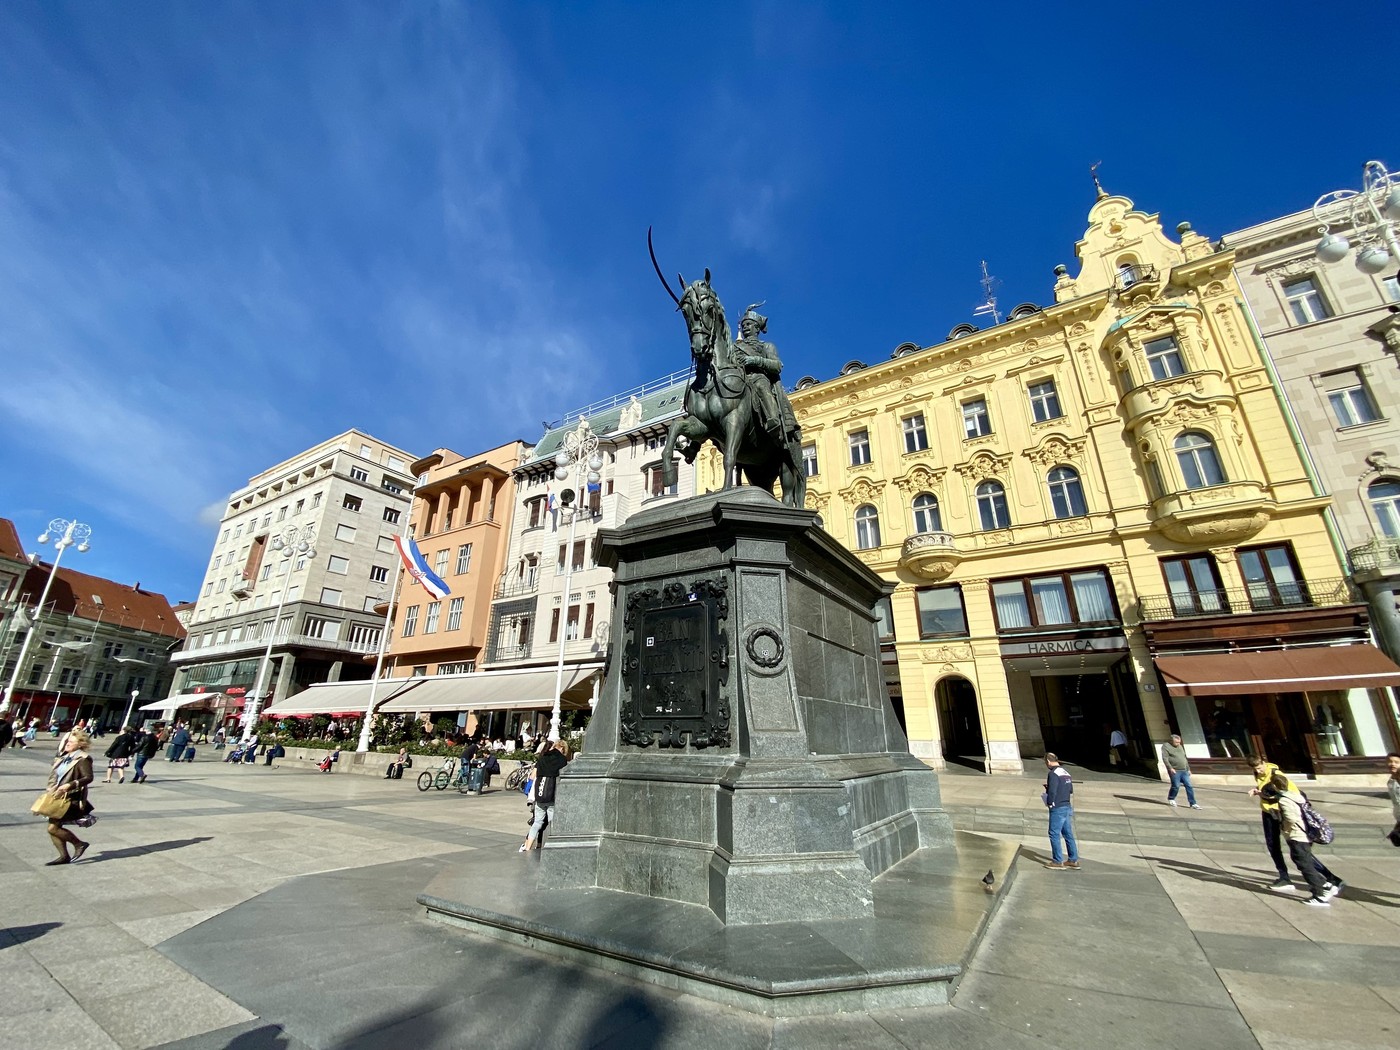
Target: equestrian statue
x,y
735,400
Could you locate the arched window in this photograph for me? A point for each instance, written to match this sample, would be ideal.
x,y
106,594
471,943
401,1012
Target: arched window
x,y
1200,464
1385,501
1066,493
991,505
926,516
867,527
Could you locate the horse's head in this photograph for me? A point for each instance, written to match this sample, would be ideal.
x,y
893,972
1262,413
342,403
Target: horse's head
x,y
705,320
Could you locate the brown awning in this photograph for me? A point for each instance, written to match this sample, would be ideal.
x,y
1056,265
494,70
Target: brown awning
x,y
1279,671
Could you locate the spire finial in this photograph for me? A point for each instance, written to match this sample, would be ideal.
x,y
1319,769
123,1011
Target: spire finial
x,y
1098,186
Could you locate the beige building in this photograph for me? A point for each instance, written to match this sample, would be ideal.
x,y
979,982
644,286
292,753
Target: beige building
x,y
1333,333
1097,518
349,495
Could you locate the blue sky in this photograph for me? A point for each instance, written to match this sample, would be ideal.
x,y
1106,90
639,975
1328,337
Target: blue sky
x,y
231,230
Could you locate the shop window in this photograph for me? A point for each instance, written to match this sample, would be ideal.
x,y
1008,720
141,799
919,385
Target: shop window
x,y
941,613
1193,584
1066,493
1056,600
1271,577
926,515
1164,358
991,505
867,528
1200,463
1384,497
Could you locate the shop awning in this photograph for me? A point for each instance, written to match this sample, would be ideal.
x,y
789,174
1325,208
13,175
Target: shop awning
x,y
333,698
488,690
1279,671
179,700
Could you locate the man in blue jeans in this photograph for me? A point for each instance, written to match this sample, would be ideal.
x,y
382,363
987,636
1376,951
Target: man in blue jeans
x,y
1174,758
1059,786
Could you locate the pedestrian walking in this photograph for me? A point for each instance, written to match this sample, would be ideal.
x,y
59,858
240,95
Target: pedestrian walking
x,y
1117,747
1059,788
1179,769
70,776
179,740
1392,785
552,759
30,733
146,749
1271,820
119,754
1290,802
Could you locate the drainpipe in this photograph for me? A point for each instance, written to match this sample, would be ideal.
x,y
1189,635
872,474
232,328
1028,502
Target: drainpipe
x,y
1302,449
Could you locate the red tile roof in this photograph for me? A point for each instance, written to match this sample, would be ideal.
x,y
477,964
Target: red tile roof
x,y
10,547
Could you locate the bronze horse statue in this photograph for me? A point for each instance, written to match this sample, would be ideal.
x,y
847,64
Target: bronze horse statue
x,y
719,406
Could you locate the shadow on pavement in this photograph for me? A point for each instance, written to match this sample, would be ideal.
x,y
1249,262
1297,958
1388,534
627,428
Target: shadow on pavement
x,y
268,1037
1216,875
1138,798
631,1022
138,851
20,934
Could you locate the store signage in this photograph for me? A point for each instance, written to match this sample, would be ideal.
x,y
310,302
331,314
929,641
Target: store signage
x,y
1065,646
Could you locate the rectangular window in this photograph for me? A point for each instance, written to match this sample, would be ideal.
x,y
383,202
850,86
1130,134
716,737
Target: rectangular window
x,y
430,622
454,614
809,461
385,545
1305,301
537,512
440,561
370,602
345,533
977,421
1271,576
656,483
316,499
338,565
554,625
330,596
410,621
1164,358
1194,586
391,485
588,620
267,519
391,515
1045,401
282,513
378,574
320,627
915,433
359,474
859,441
1053,600
464,558
941,612
352,503
1351,401
571,626
300,504
884,619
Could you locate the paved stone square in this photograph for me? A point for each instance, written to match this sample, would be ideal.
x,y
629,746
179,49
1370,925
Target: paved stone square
x,y
249,908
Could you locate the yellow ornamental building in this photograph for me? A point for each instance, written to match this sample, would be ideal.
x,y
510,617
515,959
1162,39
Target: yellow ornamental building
x,y
1097,519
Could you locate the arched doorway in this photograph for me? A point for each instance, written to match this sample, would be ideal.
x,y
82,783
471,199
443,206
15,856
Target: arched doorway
x,y
960,722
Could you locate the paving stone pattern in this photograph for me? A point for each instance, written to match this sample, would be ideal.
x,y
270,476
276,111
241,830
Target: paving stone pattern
x,y
253,909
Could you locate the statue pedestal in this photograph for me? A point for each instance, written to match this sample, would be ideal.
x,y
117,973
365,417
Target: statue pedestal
x,y
743,755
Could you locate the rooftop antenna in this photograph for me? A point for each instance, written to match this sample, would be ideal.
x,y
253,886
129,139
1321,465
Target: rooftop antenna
x,y
989,304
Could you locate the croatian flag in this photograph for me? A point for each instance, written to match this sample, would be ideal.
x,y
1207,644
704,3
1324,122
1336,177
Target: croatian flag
x,y
417,566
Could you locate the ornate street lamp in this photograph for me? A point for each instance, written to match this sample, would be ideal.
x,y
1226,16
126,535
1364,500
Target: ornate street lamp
x,y
1373,213
578,454
72,534
291,543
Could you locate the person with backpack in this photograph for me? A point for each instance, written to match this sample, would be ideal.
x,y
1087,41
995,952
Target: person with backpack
x,y
552,759
1291,806
146,749
1272,821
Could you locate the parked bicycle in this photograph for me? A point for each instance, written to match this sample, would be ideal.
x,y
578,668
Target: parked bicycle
x,y
519,777
438,778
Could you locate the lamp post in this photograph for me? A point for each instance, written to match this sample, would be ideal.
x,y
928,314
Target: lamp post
x,y
1373,212
126,718
73,534
580,450
291,543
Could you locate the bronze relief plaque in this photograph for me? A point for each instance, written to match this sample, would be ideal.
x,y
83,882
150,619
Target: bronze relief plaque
x,y
676,666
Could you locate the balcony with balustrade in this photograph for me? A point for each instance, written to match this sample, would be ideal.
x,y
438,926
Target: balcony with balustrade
x,y
1256,598
932,555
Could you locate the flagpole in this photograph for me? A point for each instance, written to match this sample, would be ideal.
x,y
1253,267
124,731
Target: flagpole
x,y
363,745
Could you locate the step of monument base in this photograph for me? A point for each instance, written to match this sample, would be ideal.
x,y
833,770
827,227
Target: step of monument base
x,y
930,912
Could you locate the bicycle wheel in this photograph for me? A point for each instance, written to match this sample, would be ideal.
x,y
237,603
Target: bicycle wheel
x,y
425,781
442,781
516,780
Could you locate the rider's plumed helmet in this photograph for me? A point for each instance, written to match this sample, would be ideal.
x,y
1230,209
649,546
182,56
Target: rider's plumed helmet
x,y
751,314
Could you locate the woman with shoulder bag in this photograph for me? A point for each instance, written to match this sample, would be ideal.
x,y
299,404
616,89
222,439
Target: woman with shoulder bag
x,y
553,757
69,779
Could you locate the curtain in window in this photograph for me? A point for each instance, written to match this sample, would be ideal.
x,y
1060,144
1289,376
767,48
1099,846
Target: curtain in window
x,y
1012,610
1091,596
1051,600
